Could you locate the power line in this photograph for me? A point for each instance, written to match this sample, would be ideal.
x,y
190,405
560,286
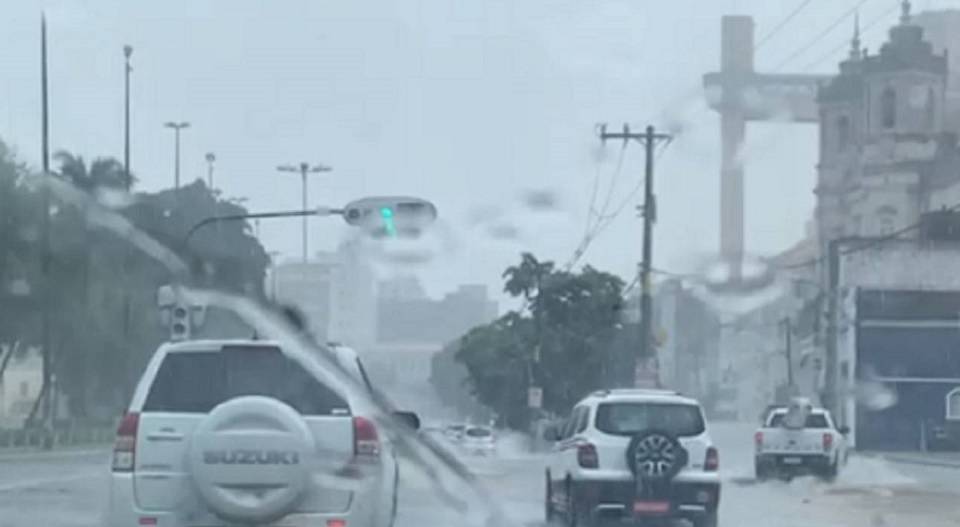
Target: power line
x,y
786,20
803,49
593,229
843,44
868,244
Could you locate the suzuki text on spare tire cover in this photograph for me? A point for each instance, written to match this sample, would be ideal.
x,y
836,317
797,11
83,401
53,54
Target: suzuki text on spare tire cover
x,y
633,455
237,433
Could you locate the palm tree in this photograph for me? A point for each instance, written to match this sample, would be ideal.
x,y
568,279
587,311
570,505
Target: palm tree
x,y
524,279
103,172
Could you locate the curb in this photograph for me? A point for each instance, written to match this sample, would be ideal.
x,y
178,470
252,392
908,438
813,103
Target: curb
x,y
26,454
907,460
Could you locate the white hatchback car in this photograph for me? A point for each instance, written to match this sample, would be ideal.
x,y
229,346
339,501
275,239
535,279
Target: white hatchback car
x,y
478,441
222,433
633,455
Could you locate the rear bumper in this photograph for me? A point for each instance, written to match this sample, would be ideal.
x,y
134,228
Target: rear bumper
x,y
122,511
794,462
615,500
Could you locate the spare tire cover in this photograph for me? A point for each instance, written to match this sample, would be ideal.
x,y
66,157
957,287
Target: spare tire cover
x,y
250,459
655,455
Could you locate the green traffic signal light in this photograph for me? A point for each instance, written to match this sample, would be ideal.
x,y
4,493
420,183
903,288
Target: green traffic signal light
x,y
387,214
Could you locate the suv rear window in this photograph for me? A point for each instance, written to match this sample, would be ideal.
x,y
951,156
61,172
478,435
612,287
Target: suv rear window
x,y
196,382
478,432
682,420
813,421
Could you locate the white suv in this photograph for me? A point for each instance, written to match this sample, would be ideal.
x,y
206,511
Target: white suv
x,y
236,432
632,454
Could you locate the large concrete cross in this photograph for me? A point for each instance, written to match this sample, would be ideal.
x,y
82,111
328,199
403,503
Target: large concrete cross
x,y
740,94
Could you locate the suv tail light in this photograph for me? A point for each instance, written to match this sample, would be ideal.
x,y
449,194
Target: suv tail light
x,y
712,463
827,440
587,456
758,439
366,441
125,446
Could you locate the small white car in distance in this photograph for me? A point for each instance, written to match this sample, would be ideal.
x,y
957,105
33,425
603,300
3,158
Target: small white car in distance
x,y
633,455
478,441
799,440
221,433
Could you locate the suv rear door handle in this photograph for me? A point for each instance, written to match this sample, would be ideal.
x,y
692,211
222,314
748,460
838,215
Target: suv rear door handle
x,y
173,437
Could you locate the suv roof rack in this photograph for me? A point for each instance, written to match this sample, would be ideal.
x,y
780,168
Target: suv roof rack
x,y
650,391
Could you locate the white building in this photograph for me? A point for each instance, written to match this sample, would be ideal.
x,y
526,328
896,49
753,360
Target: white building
x,y
335,291
19,388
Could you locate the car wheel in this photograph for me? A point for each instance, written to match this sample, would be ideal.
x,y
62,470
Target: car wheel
x,y
573,510
548,514
832,471
760,471
707,520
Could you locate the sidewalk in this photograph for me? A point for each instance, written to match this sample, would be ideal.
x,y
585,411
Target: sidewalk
x,y
933,459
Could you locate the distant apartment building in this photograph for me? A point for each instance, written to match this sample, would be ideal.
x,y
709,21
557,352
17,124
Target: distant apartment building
x,y
309,287
406,315
334,290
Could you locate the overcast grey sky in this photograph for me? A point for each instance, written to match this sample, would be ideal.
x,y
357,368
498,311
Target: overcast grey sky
x,y
466,103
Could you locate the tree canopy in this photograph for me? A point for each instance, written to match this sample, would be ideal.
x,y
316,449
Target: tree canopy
x,y
100,292
573,318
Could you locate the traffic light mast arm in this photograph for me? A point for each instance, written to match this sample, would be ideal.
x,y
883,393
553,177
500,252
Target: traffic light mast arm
x,y
321,211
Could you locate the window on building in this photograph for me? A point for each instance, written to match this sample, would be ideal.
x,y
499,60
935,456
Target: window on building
x,y
953,405
843,132
931,109
888,108
886,220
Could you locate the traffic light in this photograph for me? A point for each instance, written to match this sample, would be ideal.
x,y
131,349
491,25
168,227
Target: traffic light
x,y
390,216
386,214
180,322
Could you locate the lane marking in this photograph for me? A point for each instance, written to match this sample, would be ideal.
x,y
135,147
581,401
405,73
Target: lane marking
x,y
40,482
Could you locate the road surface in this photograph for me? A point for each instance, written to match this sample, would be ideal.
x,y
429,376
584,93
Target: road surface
x,y
66,490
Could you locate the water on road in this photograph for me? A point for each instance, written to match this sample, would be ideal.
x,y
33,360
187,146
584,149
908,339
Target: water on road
x,y
69,490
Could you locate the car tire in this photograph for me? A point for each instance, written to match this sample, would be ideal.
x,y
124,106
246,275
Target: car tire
x,y
832,471
760,471
549,515
573,516
707,520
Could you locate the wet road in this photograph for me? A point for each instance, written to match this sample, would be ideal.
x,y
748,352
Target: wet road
x,y
67,490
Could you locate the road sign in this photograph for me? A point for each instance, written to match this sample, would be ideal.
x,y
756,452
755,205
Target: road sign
x,y
535,397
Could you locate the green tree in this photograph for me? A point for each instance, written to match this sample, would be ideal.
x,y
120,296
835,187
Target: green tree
x,y
100,290
574,315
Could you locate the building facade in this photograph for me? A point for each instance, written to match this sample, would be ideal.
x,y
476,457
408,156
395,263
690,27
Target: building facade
x,y
405,315
885,150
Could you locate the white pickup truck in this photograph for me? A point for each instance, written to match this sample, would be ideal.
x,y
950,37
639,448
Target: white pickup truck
x,y
785,447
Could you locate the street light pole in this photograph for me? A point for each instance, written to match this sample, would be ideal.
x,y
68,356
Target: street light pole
x,y
127,52
303,169
176,149
210,157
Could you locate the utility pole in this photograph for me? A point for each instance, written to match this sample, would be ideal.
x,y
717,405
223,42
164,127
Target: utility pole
x,y
210,157
831,363
303,169
45,340
128,181
127,52
176,149
787,326
649,139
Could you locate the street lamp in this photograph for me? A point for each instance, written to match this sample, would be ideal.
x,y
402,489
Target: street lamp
x,y
128,180
303,169
176,149
210,157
